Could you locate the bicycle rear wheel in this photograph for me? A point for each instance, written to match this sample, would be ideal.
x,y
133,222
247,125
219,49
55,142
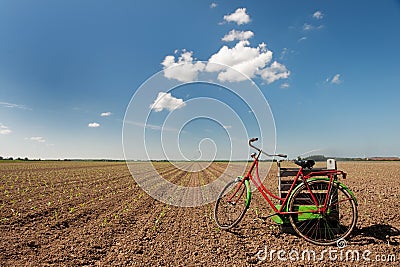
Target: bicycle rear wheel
x,y
232,204
323,228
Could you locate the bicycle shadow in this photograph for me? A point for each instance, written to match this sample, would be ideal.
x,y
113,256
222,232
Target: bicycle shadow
x,y
378,232
236,232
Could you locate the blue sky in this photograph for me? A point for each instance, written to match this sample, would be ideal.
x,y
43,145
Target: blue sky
x,y
65,63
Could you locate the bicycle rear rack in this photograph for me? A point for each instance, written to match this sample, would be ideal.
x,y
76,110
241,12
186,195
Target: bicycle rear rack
x,y
285,180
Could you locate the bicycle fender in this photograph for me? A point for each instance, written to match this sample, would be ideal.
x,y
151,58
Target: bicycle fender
x,y
248,197
327,179
248,190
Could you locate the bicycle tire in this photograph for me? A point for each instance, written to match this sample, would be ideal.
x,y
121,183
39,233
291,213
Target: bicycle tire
x,y
323,228
228,213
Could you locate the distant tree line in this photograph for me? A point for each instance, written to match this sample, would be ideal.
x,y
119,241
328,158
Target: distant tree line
x,y
28,159
324,158
19,158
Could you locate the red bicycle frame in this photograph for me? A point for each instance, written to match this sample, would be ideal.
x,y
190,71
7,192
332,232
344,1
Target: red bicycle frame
x,y
267,194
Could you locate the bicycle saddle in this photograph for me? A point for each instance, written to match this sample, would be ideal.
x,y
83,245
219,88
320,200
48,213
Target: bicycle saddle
x,y
308,164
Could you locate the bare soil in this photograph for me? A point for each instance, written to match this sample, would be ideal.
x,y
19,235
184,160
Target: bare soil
x,y
94,214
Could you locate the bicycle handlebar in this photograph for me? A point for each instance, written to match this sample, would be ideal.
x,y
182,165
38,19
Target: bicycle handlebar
x,y
260,151
253,139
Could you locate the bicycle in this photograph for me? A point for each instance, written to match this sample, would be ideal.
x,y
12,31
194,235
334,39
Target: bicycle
x,y
320,209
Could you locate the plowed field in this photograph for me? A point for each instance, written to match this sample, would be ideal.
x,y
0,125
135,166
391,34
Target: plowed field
x,y
94,214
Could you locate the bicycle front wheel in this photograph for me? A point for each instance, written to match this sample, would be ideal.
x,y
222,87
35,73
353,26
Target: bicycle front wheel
x,y
232,204
323,228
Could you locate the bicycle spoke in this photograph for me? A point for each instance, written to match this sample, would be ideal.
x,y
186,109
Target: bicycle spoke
x,y
231,205
335,223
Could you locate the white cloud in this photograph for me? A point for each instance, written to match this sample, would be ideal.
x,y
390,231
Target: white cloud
x,y
213,5
250,61
12,105
284,52
285,85
275,72
302,39
237,35
318,15
336,79
239,16
166,101
4,129
183,70
93,125
152,126
242,58
244,61
238,54
38,139
105,114
309,27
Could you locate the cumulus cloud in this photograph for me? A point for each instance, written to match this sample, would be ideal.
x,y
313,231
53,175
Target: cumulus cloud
x,y
93,125
240,54
213,5
318,15
336,79
105,114
275,72
183,70
237,35
4,129
242,58
239,17
38,139
251,61
166,101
